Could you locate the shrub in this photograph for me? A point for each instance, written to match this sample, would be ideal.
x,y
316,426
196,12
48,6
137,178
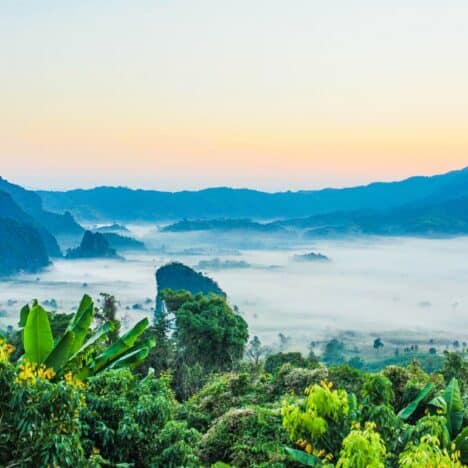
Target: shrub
x,y
294,380
427,453
246,437
377,390
39,420
222,393
346,377
399,377
362,449
130,420
321,421
275,361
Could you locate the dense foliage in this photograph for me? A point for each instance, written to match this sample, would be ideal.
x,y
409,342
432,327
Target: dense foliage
x,y
177,276
196,401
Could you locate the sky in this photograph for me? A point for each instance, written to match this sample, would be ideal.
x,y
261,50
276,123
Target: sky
x,y
267,94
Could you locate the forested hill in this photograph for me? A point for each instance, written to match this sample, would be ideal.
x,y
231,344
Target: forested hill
x,y
31,204
23,245
447,217
10,210
120,203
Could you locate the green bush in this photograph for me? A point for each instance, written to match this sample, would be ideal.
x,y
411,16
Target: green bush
x,y
222,393
294,380
39,420
131,420
275,361
245,437
347,378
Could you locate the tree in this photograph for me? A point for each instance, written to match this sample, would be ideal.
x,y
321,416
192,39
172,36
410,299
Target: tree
x,y
356,362
284,342
108,314
208,332
161,357
275,361
378,343
455,365
333,353
256,351
207,336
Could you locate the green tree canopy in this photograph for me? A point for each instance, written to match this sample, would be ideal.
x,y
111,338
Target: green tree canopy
x,y
208,332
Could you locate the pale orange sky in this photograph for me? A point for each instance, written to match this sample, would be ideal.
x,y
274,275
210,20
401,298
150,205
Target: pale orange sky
x,y
265,94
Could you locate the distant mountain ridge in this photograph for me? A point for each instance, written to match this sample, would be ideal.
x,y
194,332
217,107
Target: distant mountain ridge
x,y
434,218
27,231
9,209
225,224
124,204
24,246
21,248
31,203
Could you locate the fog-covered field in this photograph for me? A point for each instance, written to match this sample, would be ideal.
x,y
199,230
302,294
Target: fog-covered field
x,y
391,286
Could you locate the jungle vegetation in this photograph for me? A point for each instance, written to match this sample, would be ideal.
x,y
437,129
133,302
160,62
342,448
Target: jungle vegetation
x,y
192,389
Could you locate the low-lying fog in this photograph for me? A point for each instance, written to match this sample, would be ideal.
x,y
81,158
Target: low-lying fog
x,y
370,285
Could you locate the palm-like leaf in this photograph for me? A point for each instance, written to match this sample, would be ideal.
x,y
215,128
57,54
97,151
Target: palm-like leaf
x,y
407,411
81,322
439,403
39,344
102,331
134,357
37,335
461,443
452,396
61,352
121,346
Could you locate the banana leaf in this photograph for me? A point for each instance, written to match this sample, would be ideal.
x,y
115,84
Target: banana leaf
x,y
60,354
102,331
461,443
454,413
302,457
134,357
37,335
439,403
121,346
81,322
407,411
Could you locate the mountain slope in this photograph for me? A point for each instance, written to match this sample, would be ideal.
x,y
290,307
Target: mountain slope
x,y
119,203
21,248
22,244
93,245
447,217
10,210
30,202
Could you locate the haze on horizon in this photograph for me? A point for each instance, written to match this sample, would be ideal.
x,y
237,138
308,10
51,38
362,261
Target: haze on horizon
x,y
270,95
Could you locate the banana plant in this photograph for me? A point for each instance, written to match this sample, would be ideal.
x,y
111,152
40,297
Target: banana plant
x,y
408,410
66,352
450,404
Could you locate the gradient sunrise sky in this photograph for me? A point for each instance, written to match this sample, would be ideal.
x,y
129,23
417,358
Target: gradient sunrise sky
x,y
271,94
